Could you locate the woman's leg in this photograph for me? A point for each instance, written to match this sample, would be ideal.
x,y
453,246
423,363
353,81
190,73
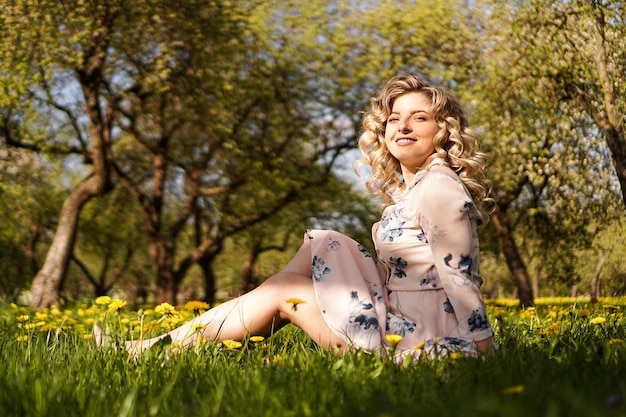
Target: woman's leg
x,y
261,310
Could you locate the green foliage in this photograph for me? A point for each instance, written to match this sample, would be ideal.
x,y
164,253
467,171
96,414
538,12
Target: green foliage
x,y
221,111
31,193
562,358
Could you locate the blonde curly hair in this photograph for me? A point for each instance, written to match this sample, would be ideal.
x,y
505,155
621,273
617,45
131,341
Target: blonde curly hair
x,y
455,142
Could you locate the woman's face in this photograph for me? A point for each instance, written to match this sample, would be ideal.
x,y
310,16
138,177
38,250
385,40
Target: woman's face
x,y
410,131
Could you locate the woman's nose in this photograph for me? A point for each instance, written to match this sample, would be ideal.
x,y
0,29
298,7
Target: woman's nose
x,y
404,126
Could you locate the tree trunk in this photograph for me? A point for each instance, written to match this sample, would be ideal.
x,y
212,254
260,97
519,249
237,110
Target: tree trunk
x,y
167,288
47,283
617,145
250,277
595,283
206,263
513,258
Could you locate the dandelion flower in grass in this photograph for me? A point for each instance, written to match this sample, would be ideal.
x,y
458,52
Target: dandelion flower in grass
x,y
166,309
597,320
22,318
393,339
420,345
116,305
197,307
198,327
615,341
455,355
231,344
103,300
514,390
257,339
22,338
294,303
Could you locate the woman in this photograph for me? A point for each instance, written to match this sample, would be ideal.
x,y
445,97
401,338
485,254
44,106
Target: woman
x,y
426,287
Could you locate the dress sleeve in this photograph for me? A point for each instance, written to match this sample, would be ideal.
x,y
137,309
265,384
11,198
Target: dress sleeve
x,y
451,234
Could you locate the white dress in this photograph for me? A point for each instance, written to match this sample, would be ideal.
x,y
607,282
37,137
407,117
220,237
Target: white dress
x,y
426,287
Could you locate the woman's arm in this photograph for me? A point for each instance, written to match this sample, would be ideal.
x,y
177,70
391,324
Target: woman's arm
x,y
451,234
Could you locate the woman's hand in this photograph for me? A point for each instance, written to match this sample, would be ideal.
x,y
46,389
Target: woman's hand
x,y
486,345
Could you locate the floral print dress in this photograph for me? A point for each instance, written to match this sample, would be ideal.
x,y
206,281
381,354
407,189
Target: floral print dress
x,y
424,284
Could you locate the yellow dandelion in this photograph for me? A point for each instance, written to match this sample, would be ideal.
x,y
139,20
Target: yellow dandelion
x,y
420,345
597,320
198,327
455,355
48,326
197,307
22,338
231,344
393,339
116,305
294,302
257,339
165,309
583,313
103,300
22,318
513,390
616,341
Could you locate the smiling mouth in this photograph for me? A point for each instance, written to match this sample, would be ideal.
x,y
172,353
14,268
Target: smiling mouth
x,y
401,141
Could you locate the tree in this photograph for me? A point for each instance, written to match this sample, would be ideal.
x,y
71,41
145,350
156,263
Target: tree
x,y
31,194
69,47
109,247
547,165
584,43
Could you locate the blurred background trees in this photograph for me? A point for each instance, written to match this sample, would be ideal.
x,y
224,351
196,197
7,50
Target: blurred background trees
x,y
167,151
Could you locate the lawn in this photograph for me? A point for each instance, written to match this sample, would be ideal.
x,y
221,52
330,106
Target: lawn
x,y
564,357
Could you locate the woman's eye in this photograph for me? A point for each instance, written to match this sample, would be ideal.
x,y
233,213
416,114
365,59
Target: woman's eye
x,y
392,120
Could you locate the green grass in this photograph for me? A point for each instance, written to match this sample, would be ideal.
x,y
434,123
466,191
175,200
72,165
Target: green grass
x,y
557,360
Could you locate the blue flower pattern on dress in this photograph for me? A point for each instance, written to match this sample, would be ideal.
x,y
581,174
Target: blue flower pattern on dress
x,y
430,280
333,245
399,265
391,224
478,321
399,325
444,345
365,252
465,264
318,269
361,313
